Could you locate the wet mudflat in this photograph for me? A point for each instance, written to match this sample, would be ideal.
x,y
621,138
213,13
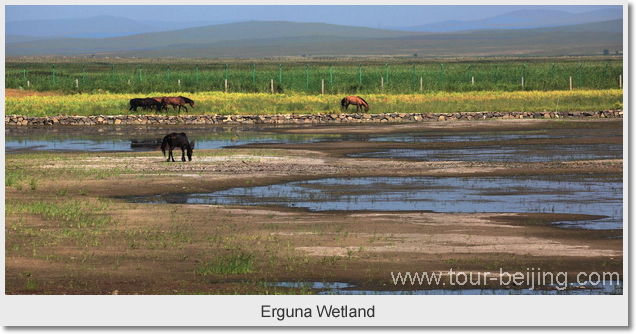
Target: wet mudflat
x,y
318,204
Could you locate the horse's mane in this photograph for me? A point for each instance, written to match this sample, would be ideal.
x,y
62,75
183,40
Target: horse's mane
x,y
187,100
365,102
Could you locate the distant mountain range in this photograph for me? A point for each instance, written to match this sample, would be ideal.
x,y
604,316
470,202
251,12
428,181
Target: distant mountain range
x,y
523,19
516,33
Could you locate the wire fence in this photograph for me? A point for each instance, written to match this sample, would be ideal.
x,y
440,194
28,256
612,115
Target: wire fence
x,y
316,78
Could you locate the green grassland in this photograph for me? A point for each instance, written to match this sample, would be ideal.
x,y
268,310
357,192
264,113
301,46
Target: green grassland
x,y
331,77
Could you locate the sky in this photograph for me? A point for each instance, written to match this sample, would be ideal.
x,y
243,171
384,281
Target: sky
x,y
375,16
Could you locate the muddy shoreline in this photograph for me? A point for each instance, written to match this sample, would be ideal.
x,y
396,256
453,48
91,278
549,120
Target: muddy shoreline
x,y
176,248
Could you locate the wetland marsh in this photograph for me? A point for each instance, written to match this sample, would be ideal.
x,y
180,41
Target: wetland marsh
x,y
303,209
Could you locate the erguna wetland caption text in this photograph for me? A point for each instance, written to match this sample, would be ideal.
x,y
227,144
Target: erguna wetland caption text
x,y
322,311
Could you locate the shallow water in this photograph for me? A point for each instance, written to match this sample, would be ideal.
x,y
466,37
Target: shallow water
x,y
340,288
121,138
590,195
544,153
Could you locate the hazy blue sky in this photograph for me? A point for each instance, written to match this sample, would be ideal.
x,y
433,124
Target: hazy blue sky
x,y
370,16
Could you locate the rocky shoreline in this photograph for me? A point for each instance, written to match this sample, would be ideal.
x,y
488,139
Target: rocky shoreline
x,y
19,120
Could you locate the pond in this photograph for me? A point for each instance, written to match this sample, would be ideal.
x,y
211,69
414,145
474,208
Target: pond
x,y
494,147
601,196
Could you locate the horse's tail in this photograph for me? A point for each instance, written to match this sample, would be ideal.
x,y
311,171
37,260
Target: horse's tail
x,y
164,145
343,102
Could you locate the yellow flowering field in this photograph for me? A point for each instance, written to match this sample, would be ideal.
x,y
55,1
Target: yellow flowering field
x,y
296,103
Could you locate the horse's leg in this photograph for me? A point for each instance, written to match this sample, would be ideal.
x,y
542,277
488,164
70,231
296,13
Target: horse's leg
x,y
183,154
170,156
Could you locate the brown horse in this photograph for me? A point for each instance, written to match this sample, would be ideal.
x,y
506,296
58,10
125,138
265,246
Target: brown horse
x,y
355,100
177,101
159,99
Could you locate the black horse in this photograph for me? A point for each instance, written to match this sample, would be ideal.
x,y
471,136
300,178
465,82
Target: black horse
x,y
173,140
145,104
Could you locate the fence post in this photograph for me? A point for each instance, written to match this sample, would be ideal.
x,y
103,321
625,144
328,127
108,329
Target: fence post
x,y
322,87
620,81
271,85
570,83
382,84
553,70
76,83
226,66
179,83
226,85
421,84
523,77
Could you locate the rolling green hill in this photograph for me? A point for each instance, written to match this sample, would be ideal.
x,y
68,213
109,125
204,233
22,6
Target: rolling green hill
x,y
280,39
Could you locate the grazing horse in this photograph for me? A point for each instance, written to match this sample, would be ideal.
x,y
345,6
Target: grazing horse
x,y
145,104
173,140
177,101
355,100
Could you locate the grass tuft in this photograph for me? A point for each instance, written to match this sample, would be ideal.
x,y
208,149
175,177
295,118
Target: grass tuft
x,y
241,263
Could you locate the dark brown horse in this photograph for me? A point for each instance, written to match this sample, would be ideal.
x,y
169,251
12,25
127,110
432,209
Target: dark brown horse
x,y
355,100
173,140
145,103
177,101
